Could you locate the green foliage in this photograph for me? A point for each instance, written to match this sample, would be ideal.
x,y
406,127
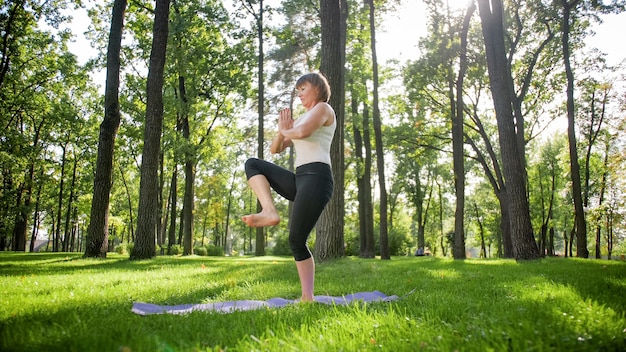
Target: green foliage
x,y
281,245
472,305
215,251
121,249
176,250
202,251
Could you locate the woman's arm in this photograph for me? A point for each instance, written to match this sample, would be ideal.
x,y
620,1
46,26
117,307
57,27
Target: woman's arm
x,y
280,143
319,116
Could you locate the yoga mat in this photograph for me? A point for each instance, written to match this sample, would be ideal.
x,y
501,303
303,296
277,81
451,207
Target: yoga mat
x,y
243,305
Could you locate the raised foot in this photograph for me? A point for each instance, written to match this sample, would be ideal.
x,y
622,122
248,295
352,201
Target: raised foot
x,y
261,219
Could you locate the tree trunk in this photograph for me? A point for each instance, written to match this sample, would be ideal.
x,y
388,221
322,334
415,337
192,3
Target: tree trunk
x,y
149,184
506,244
441,234
98,228
129,201
57,235
524,245
359,172
481,231
329,243
33,236
19,229
457,142
189,168
68,214
378,136
496,178
188,208
364,175
260,231
171,232
601,200
581,223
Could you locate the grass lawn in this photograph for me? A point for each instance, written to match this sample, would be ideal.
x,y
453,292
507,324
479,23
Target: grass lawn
x,y
60,302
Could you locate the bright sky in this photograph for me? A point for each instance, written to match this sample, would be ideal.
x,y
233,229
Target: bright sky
x,y
400,33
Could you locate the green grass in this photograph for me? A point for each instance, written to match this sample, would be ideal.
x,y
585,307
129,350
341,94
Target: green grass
x,y
60,302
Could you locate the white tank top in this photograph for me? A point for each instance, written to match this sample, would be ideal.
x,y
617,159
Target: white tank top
x,y
316,147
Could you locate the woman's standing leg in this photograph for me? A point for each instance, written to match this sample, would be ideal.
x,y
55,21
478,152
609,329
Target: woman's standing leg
x,y
306,272
315,186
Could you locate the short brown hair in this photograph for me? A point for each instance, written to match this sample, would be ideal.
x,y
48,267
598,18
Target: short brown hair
x,y
318,81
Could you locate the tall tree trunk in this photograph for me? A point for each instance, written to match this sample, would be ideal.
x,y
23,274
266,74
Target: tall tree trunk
x,y
370,241
378,136
359,172
524,245
33,236
260,231
19,229
129,201
364,174
57,235
441,234
171,232
70,207
457,142
228,208
189,168
609,235
505,247
188,208
329,240
481,232
149,184
98,228
601,200
581,222
496,178
21,220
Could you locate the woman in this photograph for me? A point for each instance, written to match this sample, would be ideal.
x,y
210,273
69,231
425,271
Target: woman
x,y
311,187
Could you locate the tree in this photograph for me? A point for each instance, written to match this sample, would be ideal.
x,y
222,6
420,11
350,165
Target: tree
x,y
524,246
358,73
98,229
204,80
147,216
545,186
378,135
329,229
458,110
258,25
581,223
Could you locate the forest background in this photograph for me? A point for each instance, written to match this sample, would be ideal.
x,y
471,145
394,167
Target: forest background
x,y
218,90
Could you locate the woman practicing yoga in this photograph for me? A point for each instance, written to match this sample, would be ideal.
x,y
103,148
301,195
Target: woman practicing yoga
x,y
311,187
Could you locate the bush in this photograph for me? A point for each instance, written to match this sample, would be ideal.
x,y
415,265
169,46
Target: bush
x,y
175,250
124,248
200,251
119,249
214,251
281,246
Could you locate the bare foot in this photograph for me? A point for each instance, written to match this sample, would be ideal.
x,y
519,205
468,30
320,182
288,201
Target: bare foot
x,y
261,219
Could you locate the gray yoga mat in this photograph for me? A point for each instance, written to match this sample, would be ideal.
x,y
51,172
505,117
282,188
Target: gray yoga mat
x,y
242,305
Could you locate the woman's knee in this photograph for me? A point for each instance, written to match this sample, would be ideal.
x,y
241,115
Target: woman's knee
x,y
299,248
251,167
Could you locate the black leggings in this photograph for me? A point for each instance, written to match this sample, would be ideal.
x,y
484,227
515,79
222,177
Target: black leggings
x,y
310,189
